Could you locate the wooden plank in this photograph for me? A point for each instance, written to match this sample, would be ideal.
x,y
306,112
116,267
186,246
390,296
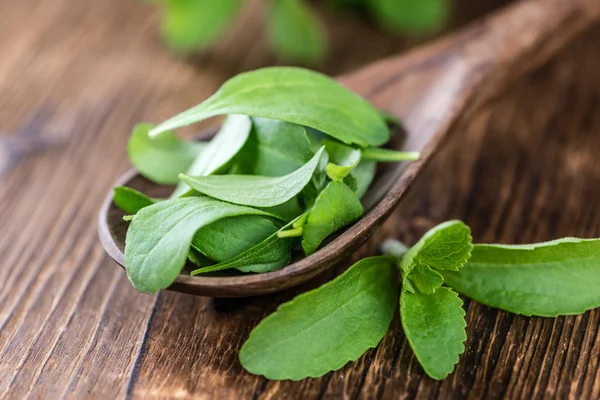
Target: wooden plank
x,y
70,324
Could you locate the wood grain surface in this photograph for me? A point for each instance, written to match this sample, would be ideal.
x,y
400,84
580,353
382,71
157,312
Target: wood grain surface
x,y
74,78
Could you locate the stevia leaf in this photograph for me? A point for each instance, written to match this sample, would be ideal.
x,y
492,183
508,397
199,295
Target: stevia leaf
x,y
274,148
130,200
251,190
560,277
228,237
434,325
351,182
199,259
321,330
159,237
286,211
220,150
295,32
294,95
264,267
446,247
364,173
317,182
413,16
342,159
221,240
269,255
335,207
193,24
161,158
425,279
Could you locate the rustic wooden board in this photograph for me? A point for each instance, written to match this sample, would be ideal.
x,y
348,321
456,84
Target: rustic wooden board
x,y
74,78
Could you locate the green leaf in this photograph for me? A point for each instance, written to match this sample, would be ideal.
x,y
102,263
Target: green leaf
x,y
220,150
446,247
317,182
228,237
387,155
252,190
221,240
294,95
434,325
286,211
342,159
352,183
425,278
161,158
274,148
159,237
412,16
270,254
560,277
130,200
321,330
364,173
335,207
199,259
193,24
295,32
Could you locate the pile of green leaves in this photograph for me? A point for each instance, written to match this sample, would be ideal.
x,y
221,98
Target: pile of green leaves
x,y
287,169
321,330
292,28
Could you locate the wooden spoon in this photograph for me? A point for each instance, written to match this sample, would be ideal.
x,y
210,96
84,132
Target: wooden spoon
x,y
431,89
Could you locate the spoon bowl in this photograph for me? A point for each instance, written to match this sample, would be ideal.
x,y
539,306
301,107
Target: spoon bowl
x,y
431,90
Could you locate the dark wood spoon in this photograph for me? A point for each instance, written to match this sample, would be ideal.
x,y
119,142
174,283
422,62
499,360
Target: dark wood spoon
x,y
431,90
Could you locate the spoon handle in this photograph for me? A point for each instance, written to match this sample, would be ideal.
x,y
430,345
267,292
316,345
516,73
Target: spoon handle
x,y
431,87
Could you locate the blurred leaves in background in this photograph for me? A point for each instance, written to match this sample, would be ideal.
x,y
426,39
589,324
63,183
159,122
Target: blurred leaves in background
x,y
293,28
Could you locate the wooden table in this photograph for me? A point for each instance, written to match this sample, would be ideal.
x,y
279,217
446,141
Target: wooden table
x,y
76,75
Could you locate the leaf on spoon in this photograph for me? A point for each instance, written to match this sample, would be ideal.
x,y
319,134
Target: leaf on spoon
x,y
560,277
228,237
199,259
220,240
294,95
295,32
342,159
130,200
364,173
286,211
269,255
220,150
321,330
317,183
335,207
159,237
161,158
252,190
434,325
446,247
274,148
352,183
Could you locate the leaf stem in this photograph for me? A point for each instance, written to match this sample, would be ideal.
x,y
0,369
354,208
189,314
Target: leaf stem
x,y
386,155
290,233
394,248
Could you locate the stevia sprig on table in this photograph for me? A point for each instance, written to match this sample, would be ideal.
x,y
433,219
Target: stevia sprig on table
x,y
323,329
294,156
